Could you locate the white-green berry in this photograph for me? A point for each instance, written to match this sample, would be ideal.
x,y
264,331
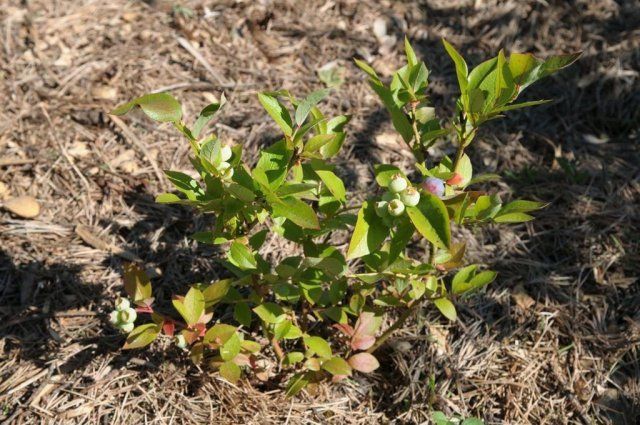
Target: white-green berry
x,y
180,341
225,169
398,184
396,207
126,327
390,196
410,197
122,304
128,316
381,208
114,318
225,153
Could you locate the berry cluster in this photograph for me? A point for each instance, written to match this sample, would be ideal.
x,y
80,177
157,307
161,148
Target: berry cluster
x,y
123,316
399,195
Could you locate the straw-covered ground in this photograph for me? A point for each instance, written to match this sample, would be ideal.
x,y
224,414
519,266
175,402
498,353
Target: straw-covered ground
x,y
554,340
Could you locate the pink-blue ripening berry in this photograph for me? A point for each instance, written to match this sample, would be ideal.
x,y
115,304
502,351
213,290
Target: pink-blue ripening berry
x,y
434,185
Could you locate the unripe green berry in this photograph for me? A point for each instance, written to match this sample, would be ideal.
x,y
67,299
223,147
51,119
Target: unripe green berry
x,y
396,207
398,184
390,196
225,153
180,341
128,316
114,318
226,170
410,197
381,208
126,327
122,304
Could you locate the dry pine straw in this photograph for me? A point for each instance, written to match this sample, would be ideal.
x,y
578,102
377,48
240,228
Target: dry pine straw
x,y
554,340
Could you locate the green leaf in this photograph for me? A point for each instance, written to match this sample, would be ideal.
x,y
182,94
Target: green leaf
x,y
521,65
400,238
215,292
158,106
480,72
370,71
230,371
385,173
446,307
219,333
521,205
142,336
297,383
505,88
303,109
461,66
337,366
278,112
273,165
520,105
399,119
333,183
242,314
515,217
136,283
297,211
270,312
191,307
412,60
432,220
317,142
318,346
292,358
463,276
241,256
368,234
231,348
168,198
241,192
205,116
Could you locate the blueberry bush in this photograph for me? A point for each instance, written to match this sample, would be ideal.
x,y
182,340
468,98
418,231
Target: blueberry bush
x,y
319,313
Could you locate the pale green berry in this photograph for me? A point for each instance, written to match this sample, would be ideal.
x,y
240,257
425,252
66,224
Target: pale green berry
x,y
223,166
122,304
398,184
410,197
390,196
114,318
225,153
128,316
381,208
228,173
126,327
180,341
396,207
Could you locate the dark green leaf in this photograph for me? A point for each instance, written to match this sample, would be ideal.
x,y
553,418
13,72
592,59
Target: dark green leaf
x,y
368,234
432,220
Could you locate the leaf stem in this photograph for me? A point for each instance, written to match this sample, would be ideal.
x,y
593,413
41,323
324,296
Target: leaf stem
x,y
417,148
398,324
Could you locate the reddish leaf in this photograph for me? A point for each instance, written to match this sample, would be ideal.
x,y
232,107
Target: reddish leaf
x,y
362,342
344,328
363,362
367,324
169,327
